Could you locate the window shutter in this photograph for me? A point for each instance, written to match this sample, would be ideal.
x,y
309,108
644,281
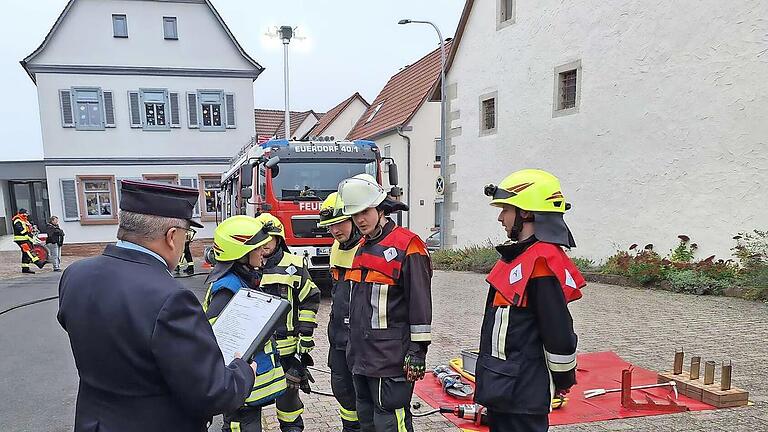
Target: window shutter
x,y
109,110
65,103
229,102
191,183
174,106
69,200
192,110
135,107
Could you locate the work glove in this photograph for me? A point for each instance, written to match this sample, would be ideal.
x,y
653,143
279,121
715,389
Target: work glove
x,y
298,377
415,366
305,344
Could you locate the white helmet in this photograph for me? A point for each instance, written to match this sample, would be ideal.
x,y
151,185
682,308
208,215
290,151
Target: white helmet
x,y
359,193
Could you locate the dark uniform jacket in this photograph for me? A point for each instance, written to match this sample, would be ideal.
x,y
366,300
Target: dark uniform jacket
x,y
521,347
338,324
391,306
145,353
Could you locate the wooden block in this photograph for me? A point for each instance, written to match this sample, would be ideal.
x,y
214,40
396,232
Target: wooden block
x,y
680,380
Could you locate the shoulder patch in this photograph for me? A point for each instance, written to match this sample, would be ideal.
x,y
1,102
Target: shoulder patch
x,y
516,274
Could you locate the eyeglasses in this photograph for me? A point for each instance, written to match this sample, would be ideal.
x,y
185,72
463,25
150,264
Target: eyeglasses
x,y
190,232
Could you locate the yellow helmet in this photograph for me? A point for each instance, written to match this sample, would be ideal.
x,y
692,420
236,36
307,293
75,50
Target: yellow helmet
x,y
331,211
531,190
272,224
236,236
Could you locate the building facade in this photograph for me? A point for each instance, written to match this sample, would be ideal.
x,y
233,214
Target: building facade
x,y
653,118
124,93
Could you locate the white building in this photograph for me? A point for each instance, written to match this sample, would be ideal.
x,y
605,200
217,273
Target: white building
x,y
653,116
405,124
125,93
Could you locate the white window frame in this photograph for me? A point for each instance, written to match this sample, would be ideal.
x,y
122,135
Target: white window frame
x,y
82,196
76,98
174,35
481,110
143,96
201,110
115,19
205,215
505,13
193,183
557,107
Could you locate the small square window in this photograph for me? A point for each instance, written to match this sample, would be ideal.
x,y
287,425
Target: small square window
x,y
567,89
119,26
488,114
170,29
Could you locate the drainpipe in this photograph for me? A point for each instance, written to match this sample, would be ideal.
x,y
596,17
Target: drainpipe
x,y
407,169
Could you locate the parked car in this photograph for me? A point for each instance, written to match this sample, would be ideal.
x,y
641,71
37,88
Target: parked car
x,y
433,241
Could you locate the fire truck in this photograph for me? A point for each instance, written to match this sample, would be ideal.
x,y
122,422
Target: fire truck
x,y
290,179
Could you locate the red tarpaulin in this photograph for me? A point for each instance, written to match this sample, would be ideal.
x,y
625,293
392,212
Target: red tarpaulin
x,y
595,370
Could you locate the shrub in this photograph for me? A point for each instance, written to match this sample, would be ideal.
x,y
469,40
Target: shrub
x,y
476,258
695,282
585,264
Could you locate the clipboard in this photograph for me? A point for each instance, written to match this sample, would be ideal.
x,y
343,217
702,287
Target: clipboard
x,y
247,322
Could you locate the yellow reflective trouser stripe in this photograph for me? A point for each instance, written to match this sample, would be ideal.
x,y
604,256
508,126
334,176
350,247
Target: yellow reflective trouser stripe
x,y
307,316
289,416
347,415
400,414
234,426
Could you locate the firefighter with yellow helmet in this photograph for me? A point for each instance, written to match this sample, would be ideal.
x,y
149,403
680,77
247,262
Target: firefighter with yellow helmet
x,y
346,241
390,314
239,246
286,275
527,342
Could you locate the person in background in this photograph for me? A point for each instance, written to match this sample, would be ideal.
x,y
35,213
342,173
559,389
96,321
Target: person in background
x,y
186,261
54,242
23,236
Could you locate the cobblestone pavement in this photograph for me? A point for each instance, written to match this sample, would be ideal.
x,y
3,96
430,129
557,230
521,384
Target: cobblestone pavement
x,y
642,326
10,264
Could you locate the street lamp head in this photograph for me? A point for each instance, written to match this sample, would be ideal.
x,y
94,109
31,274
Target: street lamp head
x,y
286,33
404,21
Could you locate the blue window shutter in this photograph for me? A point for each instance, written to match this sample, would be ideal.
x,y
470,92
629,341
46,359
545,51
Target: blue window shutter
x,y
65,103
174,106
109,109
192,110
69,200
229,105
134,105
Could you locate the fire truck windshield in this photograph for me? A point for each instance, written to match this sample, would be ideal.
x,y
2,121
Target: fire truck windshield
x,y
315,180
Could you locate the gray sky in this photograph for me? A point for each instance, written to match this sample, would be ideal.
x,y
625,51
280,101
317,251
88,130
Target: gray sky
x,y
350,45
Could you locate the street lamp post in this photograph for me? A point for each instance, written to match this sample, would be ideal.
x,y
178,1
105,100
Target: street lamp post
x,y
443,160
286,33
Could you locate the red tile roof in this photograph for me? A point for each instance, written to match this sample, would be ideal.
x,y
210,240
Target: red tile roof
x,y
270,122
334,112
401,97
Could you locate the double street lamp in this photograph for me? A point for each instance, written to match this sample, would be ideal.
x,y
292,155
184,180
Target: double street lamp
x,y
443,160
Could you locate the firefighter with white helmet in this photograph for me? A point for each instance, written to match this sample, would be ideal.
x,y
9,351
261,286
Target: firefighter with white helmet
x,y
390,313
527,343
346,241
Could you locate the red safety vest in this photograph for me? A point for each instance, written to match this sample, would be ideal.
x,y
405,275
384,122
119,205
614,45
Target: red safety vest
x,y
386,256
510,279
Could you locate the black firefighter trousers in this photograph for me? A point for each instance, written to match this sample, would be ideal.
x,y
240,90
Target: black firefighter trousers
x,y
506,422
343,389
383,404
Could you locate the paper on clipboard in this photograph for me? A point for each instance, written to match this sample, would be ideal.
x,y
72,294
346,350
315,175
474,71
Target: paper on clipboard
x,y
248,320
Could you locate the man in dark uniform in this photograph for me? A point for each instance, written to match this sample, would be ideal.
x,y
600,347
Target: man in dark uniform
x,y
390,314
527,343
346,241
144,350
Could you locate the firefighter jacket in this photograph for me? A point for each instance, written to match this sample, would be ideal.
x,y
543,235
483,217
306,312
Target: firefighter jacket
x,y
22,228
527,343
391,305
286,275
338,325
270,377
